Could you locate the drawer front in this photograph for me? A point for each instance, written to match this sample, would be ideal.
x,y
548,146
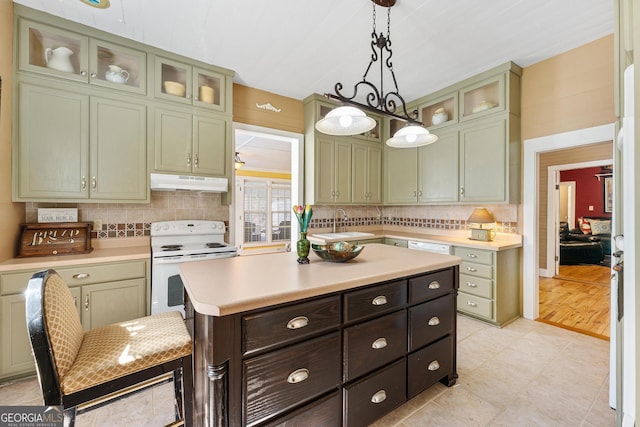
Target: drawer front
x,y
476,286
396,242
430,321
374,301
430,285
373,344
280,380
367,400
475,305
323,412
474,255
475,269
77,275
429,365
263,330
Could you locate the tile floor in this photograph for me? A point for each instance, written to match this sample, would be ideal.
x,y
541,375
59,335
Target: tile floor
x,y
525,374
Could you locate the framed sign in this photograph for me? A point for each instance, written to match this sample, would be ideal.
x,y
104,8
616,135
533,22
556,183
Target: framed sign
x,y
608,194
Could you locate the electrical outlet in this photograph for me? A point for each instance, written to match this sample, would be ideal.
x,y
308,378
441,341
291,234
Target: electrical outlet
x,y
97,224
590,208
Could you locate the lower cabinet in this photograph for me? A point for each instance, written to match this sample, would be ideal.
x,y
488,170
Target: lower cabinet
x,y
104,293
342,359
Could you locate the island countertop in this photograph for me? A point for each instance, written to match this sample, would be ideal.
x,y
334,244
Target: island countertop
x,y
233,285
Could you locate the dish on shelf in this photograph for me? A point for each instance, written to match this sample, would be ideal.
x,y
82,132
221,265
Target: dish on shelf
x,y
482,106
337,251
174,88
439,116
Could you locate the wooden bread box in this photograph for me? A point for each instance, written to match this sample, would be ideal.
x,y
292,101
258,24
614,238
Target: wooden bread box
x,y
54,238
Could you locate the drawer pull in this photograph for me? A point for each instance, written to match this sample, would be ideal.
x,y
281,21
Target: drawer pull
x,y
298,322
379,397
80,275
472,269
471,304
472,285
298,376
379,300
434,321
379,343
86,302
434,285
434,366
472,256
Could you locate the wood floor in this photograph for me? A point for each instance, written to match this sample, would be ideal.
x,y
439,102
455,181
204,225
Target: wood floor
x,y
577,299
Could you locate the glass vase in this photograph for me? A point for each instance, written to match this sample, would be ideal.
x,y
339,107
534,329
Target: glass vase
x,y
302,248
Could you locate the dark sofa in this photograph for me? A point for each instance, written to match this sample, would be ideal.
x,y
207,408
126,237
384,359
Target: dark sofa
x,y
579,248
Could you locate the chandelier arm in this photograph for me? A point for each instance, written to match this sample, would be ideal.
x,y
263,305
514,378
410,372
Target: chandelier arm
x,y
348,101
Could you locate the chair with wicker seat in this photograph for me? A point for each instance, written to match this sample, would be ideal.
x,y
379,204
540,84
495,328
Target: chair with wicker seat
x,y
78,369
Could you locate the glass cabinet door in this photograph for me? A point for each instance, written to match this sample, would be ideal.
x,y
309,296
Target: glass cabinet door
x,y
482,98
49,50
440,112
117,67
208,89
173,80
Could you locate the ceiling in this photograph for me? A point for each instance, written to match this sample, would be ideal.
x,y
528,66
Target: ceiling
x,y
298,47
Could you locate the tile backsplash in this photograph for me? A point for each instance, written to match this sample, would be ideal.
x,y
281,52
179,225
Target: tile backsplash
x,y
121,220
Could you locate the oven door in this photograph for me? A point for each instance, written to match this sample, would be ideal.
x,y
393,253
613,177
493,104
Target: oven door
x,y
167,290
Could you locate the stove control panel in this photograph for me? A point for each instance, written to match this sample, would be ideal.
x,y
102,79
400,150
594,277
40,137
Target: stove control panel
x,y
185,227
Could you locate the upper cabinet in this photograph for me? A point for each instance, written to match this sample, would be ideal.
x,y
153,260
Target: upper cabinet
x,y
623,50
60,53
184,83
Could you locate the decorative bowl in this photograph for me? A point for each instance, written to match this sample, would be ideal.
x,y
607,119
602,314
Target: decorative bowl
x,y
174,88
337,251
439,116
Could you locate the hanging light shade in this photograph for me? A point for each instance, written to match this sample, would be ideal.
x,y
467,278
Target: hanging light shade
x,y
345,120
411,136
238,162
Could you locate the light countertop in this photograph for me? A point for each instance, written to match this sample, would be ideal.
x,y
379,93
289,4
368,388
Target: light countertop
x,y
110,250
233,285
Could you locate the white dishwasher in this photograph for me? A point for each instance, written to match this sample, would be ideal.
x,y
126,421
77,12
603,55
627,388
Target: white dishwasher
x,y
429,247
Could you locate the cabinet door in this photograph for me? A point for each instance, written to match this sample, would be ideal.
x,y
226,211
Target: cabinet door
x,y
53,51
359,171
401,175
209,145
173,135
208,89
117,67
173,80
374,173
438,170
16,349
52,149
118,148
483,162
342,172
324,175
113,302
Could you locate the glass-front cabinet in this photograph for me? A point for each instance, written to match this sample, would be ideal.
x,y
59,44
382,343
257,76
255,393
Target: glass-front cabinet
x,y
176,81
65,54
482,98
440,111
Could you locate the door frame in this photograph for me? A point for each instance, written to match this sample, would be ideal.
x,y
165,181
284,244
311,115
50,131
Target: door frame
x,y
532,149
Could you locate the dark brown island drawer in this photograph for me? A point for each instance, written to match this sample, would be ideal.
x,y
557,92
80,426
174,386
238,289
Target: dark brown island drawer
x,y
375,300
430,320
374,343
326,412
367,400
278,381
263,330
429,365
430,285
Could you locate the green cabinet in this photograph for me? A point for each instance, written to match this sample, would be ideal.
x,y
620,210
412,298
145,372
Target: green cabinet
x,y
76,147
366,172
105,293
402,243
332,177
400,176
438,180
190,143
623,14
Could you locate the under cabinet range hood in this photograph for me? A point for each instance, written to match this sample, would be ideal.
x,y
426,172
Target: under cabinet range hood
x,y
168,182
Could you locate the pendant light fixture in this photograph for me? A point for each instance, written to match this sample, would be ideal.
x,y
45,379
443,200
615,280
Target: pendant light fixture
x,y
238,163
351,120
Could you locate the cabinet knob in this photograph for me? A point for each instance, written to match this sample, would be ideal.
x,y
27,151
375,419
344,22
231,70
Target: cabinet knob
x,y
94,182
434,285
420,193
93,75
415,193
379,300
84,183
83,73
298,322
189,159
471,304
80,275
434,321
195,161
379,343
472,285
472,256
298,376
379,397
462,191
434,366
75,301
86,302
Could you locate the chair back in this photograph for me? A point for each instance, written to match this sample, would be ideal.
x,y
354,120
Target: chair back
x,y
54,329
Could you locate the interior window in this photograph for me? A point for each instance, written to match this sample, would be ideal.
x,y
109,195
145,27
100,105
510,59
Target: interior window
x,y
266,211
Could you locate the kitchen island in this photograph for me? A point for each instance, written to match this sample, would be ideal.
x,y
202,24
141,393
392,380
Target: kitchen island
x,y
324,343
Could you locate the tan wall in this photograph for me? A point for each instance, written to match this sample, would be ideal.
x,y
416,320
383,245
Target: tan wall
x,y
600,151
280,113
570,91
11,213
